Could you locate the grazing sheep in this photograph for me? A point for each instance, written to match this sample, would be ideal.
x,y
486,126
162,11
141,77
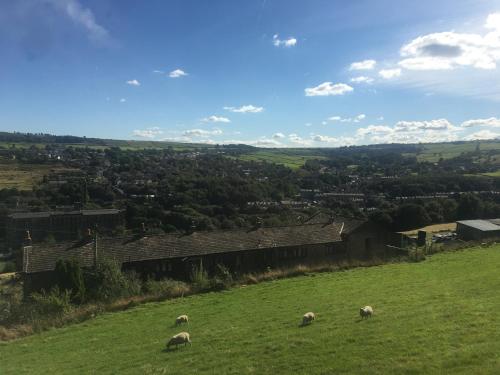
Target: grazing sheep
x,y
366,312
181,319
180,338
308,318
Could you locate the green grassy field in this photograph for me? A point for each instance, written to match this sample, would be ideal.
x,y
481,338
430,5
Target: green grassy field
x,y
21,176
492,174
24,176
432,152
291,158
438,316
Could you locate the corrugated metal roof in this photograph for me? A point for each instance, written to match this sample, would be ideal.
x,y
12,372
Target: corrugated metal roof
x,y
482,225
169,246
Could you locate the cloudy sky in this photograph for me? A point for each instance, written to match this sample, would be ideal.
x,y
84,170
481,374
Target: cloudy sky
x,y
273,73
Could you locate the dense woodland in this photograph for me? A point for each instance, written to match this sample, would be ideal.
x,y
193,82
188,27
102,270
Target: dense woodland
x,y
198,188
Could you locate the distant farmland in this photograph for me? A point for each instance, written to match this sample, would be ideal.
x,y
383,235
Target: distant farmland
x,y
23,176
291,158
438,316
432,152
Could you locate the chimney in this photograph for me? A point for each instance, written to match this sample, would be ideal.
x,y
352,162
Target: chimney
x,y
143,230
27,239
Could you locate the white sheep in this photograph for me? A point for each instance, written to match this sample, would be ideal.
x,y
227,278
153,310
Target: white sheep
x,y
180,338
366,312
308,318
181,319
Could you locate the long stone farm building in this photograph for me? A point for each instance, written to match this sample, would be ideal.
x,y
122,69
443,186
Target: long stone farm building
x,y
241,250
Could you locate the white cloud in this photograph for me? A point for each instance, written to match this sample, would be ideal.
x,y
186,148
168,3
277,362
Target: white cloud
x,y
482,134
489,122
261,142
123,100
362,79
278,135
296,139
363,65
493,21
439,124
389,73
357,118
158,71
215,118
133,82
439,130
449,50
328,89
290,42
373,130
84,18
150,133
202,132
324,138
245,109
177,73
308,124
177,139
265,142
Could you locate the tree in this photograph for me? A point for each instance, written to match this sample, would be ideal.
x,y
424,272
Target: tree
x,y
411,216
470,206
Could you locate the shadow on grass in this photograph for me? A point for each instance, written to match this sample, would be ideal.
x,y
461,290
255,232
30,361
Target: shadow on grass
x,y
168,350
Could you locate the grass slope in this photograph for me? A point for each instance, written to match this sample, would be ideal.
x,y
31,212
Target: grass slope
x,y
438,316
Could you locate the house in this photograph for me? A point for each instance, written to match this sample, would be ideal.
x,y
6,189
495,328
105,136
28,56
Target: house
x,y
62,225
468,230
241,250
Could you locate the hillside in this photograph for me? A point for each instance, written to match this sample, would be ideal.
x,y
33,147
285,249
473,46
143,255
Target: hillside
x,y
431,317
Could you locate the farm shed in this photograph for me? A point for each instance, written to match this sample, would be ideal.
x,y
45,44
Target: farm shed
x,y
478,229
241,250
62,225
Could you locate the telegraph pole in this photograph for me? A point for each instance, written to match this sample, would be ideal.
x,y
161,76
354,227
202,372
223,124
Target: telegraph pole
x,y
95,246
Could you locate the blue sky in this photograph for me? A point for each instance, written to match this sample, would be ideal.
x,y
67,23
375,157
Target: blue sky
x,y
271,73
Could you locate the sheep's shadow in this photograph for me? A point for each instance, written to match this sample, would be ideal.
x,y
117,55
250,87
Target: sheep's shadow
x,y
175,349
302,325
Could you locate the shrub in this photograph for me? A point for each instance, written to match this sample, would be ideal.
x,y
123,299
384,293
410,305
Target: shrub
x,y
166,288
9,266
199,277
70,278
107,282
54,303
223,278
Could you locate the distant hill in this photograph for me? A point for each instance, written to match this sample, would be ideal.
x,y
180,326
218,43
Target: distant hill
x,y
39,139
292,157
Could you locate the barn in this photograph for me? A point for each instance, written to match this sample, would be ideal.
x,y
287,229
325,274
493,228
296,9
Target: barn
x,y
241,250
470,230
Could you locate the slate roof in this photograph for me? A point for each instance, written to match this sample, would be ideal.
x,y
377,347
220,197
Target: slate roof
x,y
34,215
482,225
127,249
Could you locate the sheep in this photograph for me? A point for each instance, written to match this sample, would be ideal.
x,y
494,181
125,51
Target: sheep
x,y
180,338
366,312
308,318
181,319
